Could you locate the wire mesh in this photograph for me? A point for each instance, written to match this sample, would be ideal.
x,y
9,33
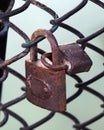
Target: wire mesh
x,y
82,86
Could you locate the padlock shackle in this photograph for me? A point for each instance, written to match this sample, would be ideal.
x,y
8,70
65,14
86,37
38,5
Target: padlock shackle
x,y
56,68
56,54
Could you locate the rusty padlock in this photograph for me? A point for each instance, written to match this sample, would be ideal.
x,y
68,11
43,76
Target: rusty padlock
x,y
46,88
73,56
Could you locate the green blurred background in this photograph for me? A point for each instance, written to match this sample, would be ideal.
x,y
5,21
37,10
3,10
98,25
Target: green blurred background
x,y
88,20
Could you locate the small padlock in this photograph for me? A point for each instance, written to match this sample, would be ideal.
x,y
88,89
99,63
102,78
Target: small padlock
x,y
46,87
73,56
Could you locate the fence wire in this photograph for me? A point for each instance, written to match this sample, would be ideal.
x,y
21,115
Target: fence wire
x,y
57,22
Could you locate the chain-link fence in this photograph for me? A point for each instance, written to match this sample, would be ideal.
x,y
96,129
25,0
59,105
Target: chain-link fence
x,y
82,86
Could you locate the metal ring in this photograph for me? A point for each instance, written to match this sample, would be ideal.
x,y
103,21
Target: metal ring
x,y
57,68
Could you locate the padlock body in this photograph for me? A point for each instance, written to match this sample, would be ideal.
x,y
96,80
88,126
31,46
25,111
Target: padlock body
x,y
45,87
76,58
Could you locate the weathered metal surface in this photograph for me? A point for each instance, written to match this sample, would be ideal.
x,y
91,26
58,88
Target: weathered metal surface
x,y
75,58
46,87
